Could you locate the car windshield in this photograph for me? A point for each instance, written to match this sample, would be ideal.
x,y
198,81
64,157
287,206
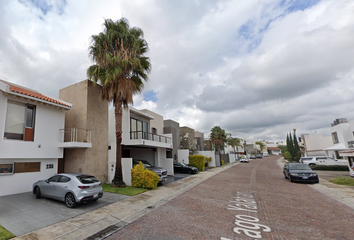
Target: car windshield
x,y
299,167
183,164
87,179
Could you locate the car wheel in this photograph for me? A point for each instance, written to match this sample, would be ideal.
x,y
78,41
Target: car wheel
x,y
285,176
37,192
290,179
70,201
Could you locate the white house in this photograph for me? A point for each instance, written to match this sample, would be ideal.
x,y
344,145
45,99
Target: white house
x,y
315,144
30,123
342,133
142,139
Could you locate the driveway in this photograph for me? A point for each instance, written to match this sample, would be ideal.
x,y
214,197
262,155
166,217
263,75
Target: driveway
x,y
23,213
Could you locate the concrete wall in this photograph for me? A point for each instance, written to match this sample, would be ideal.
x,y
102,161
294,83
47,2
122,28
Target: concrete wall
x,y
183,155
156,123
210,154
89,112
127,165
316,142
172,127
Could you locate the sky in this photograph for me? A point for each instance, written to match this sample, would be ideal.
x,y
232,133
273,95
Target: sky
x,y
257,69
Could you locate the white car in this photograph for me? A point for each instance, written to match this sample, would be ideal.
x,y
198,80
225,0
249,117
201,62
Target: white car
x,y
322,160
244,159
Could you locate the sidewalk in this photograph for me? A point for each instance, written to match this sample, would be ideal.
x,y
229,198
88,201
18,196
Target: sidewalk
x,y
108,219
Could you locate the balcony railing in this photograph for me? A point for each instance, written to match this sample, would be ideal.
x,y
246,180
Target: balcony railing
x,y
75,135
150,136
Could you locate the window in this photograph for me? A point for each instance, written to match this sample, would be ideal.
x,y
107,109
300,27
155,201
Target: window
x,y
154,131
335,137
23,167
20,119
64,179
138,129
6,168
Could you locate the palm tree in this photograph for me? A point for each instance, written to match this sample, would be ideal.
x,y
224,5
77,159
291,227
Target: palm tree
x,y
235,143
218,137
121,67
261,145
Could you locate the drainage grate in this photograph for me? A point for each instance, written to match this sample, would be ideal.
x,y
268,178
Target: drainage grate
x,y
104,233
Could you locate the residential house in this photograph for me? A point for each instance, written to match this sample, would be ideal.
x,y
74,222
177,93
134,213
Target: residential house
x,y
142,138
314,144
172,127
342,133
30,125
87,123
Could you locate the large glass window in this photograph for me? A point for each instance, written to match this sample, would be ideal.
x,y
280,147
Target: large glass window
x,y
6,168
19,116
138,129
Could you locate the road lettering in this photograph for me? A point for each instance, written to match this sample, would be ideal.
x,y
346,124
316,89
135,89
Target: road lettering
x,y
246,224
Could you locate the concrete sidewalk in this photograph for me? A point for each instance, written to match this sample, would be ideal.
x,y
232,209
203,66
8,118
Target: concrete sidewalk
x,y
110,218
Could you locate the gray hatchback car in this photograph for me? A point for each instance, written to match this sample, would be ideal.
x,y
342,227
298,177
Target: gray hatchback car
x,y
71,188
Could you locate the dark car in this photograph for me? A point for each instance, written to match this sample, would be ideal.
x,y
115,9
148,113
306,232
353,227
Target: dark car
x,y
299,172
161,172
183,168
259,156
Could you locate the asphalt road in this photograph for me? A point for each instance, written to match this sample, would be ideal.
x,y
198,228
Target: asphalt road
x,y
247,201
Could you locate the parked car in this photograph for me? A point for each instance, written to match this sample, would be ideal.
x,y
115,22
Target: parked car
x,y
179,167
71,188
299,172
161,172
252,157
259,156
322,160
244,159
265,154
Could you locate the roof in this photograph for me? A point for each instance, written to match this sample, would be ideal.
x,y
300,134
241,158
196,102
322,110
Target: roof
x,y
273,148
20,91
336,147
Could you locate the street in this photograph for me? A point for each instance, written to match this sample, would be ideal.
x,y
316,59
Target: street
x,y
247,201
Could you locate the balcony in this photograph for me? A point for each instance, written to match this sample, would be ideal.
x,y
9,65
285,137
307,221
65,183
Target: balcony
x,y
150,139
75,138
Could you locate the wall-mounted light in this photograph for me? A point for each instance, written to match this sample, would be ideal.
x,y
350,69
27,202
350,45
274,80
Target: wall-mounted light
x,y
39,145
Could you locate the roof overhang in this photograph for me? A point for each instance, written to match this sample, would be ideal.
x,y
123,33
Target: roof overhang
x,y
336,147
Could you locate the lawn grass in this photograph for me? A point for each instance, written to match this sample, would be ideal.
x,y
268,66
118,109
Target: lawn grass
x,y
4,234
130,191
347,180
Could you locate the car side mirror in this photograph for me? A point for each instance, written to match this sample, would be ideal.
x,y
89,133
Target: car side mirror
x,y
47,181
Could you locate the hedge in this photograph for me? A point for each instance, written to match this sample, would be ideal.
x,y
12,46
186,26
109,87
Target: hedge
x,y
197,161
330,167
144,178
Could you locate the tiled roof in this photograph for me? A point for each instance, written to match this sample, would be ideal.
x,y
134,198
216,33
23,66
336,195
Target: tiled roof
x,y
273,148
34,94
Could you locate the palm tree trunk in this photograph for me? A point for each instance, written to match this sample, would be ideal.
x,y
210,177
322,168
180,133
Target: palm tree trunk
x,y
118,176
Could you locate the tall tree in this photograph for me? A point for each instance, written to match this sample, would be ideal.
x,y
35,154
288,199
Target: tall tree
x,y
297,151
261,145
235,143
121,67
218,137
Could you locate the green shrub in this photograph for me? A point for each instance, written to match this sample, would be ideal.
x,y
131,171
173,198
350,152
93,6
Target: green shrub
x,y
207,161
144,178
288,156
330,167
197,161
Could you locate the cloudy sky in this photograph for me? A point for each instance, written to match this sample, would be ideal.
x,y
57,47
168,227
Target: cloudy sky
x,y
257,69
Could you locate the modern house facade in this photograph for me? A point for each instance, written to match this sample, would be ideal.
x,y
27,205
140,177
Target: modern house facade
x,y
142,139
172,127
30,125
314,144
88,122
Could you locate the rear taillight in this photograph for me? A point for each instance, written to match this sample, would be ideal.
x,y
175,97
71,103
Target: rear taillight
x,y
83,187
100,184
